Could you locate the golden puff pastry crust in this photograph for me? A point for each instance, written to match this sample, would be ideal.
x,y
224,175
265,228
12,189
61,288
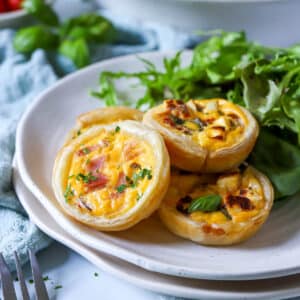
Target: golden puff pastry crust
x,y
204,135
246,198
103,115
112,176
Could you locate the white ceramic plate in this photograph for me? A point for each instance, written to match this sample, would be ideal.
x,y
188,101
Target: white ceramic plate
x,y
273,252
281,288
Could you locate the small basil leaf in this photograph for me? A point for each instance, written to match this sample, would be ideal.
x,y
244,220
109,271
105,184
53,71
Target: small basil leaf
x,y
42,11
31,38
91,27
77,51
206,203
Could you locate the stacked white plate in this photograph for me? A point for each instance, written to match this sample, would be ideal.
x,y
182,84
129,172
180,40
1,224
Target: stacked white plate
x,y
148,255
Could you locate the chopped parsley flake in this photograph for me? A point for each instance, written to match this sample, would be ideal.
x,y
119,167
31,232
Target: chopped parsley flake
x,y
46,278
117,129
86,178
68,193
78,132
139,196
58,287
121,188
96,274
143,173
31,281
86,150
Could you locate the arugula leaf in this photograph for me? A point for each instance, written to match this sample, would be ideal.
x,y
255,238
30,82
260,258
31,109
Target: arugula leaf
x,y
279,160
207,203
28,39
42,11
76,50
260,94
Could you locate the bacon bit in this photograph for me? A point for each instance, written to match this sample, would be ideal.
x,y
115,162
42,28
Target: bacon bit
x,y
209,229
169,121
198,106
182,206
172,103
135,165
243,192
233,116
130,152
87,150
218,128
115,195
218,137
96,164
99,183
178,107
209,120
121,179
83,204
243,202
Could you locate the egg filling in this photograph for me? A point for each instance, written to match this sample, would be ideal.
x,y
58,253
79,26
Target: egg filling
x,y
216,199
109,173
212,124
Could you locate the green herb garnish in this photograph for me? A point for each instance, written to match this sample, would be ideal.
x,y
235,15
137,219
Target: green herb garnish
x,y
96,274
207,203
141,175
117,129
121,188
68,193
46,278
86,178
86,150
58,287
31,281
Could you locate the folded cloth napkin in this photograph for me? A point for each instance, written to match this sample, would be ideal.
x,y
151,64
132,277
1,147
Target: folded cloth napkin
x,y
21,79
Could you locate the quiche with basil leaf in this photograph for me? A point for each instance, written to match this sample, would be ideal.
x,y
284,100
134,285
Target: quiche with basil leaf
x,y
204,135
112,175
217,209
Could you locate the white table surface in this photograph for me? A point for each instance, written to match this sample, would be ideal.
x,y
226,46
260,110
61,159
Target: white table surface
x,y
82,280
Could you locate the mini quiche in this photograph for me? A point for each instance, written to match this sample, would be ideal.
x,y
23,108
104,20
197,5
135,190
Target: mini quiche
x,y
204,135
221,209
112,175
103,115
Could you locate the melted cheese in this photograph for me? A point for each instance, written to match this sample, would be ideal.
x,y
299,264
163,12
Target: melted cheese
x,y
118,157
223,122
235,184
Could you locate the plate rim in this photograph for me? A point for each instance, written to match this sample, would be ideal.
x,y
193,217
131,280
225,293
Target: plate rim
x,y
113,249
106,266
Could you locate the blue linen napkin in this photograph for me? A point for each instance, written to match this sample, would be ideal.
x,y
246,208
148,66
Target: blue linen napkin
x,y
21,79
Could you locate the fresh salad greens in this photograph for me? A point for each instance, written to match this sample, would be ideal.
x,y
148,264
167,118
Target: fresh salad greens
x,y
264,80
72,38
